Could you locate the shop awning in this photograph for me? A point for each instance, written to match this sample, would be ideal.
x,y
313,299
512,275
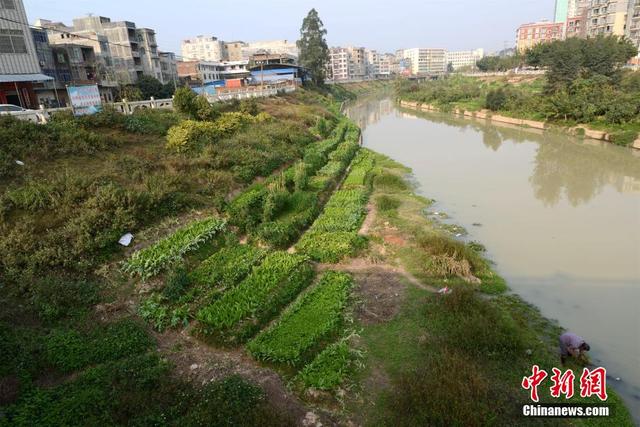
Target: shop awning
x,y
10,78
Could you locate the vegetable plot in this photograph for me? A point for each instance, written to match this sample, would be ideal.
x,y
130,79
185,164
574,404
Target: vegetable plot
x,y
150,261
241,311
329,369
304,324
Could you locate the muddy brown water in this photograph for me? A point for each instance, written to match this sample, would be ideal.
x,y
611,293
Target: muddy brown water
x,y
560,217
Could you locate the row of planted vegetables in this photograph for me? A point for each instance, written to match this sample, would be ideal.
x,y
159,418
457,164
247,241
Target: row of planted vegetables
x,y
257,293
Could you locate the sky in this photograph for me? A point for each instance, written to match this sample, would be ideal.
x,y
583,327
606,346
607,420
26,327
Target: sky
x,y
384,26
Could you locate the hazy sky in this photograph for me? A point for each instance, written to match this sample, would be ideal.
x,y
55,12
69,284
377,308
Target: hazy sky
x,y
385,26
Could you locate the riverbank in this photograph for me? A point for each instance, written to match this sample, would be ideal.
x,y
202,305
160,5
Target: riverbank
x,y
432,358
484,114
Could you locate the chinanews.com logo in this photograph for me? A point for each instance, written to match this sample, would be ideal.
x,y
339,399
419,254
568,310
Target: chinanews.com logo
x,y
593,382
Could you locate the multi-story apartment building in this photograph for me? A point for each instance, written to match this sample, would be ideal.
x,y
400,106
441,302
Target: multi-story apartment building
x,y
466,58
338,68
168,67
204,48
124,43
373,62
19,63
234,50
633,26
357,63
530,35
426,60
385,66
607,17
149,54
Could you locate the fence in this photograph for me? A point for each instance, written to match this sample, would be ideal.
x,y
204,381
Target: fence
x,y
126,107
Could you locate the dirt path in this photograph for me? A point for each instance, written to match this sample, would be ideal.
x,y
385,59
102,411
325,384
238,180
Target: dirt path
x,y
369,220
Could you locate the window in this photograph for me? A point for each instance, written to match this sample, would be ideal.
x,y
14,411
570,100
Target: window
x,y
12,41
7,4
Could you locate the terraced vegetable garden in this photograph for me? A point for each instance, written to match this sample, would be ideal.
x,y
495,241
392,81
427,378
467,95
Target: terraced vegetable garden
x,y
235,292
305,323
334,234
150,261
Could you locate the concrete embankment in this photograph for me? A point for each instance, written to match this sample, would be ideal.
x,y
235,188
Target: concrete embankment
x,y
488,115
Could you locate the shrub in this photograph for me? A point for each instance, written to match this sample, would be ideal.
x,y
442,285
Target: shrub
x,y
68,350
184,102
450,257
390,182
177,284
387,203
191,135
496,99
150,261
246,210
305,323
53,298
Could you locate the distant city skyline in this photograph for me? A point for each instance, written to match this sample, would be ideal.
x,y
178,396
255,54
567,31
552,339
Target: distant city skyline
x,y
448,24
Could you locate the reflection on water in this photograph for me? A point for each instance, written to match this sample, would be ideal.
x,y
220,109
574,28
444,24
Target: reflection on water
x,y
564,167
560,216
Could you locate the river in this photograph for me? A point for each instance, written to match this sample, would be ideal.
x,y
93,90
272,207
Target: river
x,y
559,216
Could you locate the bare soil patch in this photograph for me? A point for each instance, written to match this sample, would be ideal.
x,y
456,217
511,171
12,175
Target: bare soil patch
x,y
200,363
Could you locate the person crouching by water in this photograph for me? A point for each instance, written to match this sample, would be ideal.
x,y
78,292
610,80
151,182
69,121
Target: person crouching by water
x,y
572,345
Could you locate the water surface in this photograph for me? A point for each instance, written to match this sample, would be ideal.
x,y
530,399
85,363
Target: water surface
x,y
559,216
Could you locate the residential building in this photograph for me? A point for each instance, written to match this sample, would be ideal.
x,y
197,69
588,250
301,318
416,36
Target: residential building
x,y
269,46
373,63
149,55
562,10
19,63
204,72
234,50
426,60
338,68
533,34
124,43
633,27
607,17
357,63
168,67
385,65
464,59
204,48
58,33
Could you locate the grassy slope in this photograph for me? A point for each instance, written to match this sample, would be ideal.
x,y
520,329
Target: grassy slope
x,y
459,359
46,361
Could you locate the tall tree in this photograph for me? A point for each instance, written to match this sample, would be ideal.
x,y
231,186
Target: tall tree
x,y
314,52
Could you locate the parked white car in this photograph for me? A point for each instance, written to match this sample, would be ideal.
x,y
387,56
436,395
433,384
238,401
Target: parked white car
x,y
10,108
36,116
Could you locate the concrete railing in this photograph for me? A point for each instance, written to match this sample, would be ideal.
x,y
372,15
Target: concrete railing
x,y
128,107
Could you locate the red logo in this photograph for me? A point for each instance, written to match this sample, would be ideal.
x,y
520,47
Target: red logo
x,y
532,382
562,383
592,383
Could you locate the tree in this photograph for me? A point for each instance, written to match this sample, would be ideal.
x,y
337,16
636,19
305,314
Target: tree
x,y
184,101
314,52
130,93
574,58
150,86
450,68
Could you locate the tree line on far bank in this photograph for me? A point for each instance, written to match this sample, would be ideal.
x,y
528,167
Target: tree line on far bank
x,y
585,82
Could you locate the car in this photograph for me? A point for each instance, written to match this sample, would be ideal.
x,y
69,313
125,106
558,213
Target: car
x,y
10,108
35,116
